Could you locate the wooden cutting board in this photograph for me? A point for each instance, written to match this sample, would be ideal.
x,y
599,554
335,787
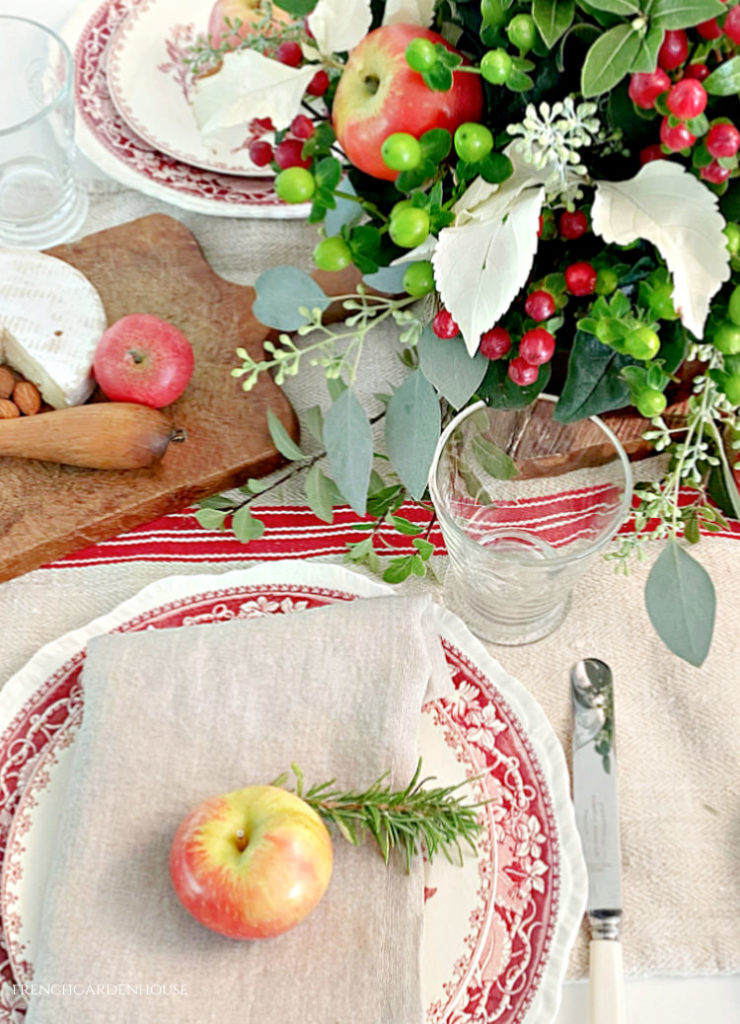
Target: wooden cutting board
x,y
152,265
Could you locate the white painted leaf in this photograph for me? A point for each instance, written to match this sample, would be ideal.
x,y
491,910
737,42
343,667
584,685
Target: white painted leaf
x,y
421,252
668,206
339,25
480,266
249,85
409,12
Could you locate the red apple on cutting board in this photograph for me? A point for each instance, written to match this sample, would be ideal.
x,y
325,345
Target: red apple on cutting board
x,y
142,358
252,863
379,94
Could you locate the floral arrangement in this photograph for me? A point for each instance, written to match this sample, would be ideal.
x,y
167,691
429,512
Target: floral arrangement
x,y
542,195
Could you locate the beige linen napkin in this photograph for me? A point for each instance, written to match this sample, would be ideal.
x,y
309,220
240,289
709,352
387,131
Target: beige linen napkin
x,y
174,716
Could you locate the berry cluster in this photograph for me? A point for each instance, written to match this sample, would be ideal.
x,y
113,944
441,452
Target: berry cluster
x,y
676,91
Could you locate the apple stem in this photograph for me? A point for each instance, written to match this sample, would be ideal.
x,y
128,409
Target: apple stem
x,y
241,840
136,355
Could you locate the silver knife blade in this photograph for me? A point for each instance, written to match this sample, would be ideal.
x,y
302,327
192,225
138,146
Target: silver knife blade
x,y
595,791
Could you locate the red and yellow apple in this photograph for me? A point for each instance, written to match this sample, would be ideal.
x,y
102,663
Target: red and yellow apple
x,y
379,94
247,11
252,863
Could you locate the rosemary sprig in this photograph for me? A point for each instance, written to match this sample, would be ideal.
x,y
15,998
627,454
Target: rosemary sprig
x,y
403,818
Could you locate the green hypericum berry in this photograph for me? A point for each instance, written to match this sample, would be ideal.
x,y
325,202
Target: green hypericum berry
x,y
733,307
332,254
410,227
419,279
522,32
496,66
295,185
473,141
606,281
421,54
732,234
401,152
651,403
727,337
731,388
493,13
642,343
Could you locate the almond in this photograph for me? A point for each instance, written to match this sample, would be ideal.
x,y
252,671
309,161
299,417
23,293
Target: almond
x,y
7,382
8,410
26,396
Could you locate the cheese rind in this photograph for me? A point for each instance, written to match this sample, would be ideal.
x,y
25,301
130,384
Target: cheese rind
x,y
51,319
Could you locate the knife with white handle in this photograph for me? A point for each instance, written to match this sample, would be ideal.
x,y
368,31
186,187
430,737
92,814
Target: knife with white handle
x,y
597,817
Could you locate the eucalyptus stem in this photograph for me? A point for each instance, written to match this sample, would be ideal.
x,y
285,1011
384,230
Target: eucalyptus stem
x,y
405,818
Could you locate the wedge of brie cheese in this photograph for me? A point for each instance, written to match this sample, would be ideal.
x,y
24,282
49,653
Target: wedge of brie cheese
x,y
51,319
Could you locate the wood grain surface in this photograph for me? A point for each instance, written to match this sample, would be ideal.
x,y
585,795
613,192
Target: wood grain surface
x,y
152,265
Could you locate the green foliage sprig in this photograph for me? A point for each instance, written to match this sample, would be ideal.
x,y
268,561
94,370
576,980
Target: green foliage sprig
x,y
406,819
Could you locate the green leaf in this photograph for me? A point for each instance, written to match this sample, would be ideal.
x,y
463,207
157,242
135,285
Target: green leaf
x,y
328,172
684,13
518,81
211,518
624,7
314,418
364,243
245,526
499,391
447,365
335,386
319,494
594,383
495,168
494,460
424,547
217,501
435,144
681,602
609,60
348,440
298,8
399,569
405,526
647,55
281,292
725,79
552,18
283,441
438,78
412,426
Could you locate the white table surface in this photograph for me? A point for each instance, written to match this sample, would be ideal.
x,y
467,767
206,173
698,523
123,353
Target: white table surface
x,y
696,1000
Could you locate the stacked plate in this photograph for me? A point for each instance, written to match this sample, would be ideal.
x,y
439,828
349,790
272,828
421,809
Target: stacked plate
x,y
134,118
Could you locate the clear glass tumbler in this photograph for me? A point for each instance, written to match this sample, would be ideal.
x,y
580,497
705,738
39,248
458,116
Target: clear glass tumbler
x,y
41,201
524,504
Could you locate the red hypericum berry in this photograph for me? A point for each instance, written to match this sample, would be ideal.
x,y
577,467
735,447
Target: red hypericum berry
x,y
540,306
573,224
697,71
731,26
522,372
650,153
302,127
495,343
723,140
444,326
675,49
676,137
261,153
715,173
537,346
709,29
540,226
318,84
580,279
645,88
288,154
290,53
687,99
307,29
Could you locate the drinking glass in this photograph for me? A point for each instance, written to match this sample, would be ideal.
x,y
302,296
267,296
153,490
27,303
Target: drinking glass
x,y
41,202
525,504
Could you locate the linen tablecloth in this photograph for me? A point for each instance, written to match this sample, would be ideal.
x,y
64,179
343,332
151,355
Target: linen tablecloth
x,y
677,725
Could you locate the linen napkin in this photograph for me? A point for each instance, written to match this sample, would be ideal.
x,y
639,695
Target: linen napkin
x,y
174,716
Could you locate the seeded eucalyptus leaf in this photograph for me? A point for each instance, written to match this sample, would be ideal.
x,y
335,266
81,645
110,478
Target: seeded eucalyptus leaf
x,y
281,292
283,441
320,494
495,461
447,365
345,211
412,426
245,526
552,18
681,603
594,383
348,441
725,79
684,13
609,60
314,418
388,279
